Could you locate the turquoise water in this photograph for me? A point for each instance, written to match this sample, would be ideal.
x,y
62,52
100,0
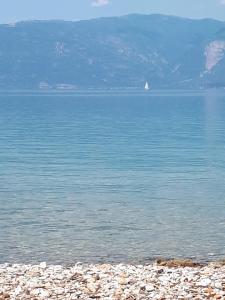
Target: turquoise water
x,y
112,177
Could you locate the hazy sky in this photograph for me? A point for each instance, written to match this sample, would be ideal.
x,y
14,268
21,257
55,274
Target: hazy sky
x,y
15,10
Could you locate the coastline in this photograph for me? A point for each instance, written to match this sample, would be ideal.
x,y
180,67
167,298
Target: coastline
x,y
172,279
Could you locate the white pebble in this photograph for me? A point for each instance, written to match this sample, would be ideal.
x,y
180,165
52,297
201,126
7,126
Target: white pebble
x,y
204,282
43,265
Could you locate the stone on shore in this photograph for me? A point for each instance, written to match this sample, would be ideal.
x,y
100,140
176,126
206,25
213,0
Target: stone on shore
x,y
157,281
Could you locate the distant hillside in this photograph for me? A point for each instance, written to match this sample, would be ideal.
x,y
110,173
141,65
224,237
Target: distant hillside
x,y
169,52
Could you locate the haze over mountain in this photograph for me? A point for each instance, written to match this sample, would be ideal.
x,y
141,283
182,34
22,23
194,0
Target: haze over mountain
x,y
169,52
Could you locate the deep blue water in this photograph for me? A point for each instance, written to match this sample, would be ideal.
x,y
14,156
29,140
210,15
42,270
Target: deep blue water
x,y
112,177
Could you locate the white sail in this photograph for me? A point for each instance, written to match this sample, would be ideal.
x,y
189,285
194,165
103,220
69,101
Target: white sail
x,y
146,86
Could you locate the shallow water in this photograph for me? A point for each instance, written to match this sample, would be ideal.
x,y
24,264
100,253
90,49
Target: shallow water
x,y
112,176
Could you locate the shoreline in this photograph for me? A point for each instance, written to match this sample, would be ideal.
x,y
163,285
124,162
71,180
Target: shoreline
x,y
160,280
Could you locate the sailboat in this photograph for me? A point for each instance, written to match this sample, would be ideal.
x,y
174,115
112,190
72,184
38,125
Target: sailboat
x,y
147,86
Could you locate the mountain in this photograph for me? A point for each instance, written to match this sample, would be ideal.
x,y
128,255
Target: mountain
x,y
167,51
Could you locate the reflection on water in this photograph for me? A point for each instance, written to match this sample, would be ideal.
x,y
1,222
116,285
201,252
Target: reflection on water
x,y
116,178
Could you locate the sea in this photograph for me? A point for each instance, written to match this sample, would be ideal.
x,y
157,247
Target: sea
x,y
112,176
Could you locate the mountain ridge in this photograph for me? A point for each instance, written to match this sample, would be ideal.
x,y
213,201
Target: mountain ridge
x,y
169,52
115,17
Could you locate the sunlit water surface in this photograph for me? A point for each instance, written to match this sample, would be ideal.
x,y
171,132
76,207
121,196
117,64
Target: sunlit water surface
x,y
112,177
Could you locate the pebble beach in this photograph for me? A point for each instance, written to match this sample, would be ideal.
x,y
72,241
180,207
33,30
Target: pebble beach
x,y
158,280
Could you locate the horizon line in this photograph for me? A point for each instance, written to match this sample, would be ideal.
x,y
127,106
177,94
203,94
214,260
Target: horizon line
x,y
110,17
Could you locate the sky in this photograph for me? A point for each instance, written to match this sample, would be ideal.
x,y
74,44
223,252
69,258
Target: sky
x,y
17,10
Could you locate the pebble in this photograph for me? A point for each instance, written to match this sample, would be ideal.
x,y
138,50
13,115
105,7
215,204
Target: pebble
x,y
18,290
204,282
43,265
150,288
113,282
40,292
